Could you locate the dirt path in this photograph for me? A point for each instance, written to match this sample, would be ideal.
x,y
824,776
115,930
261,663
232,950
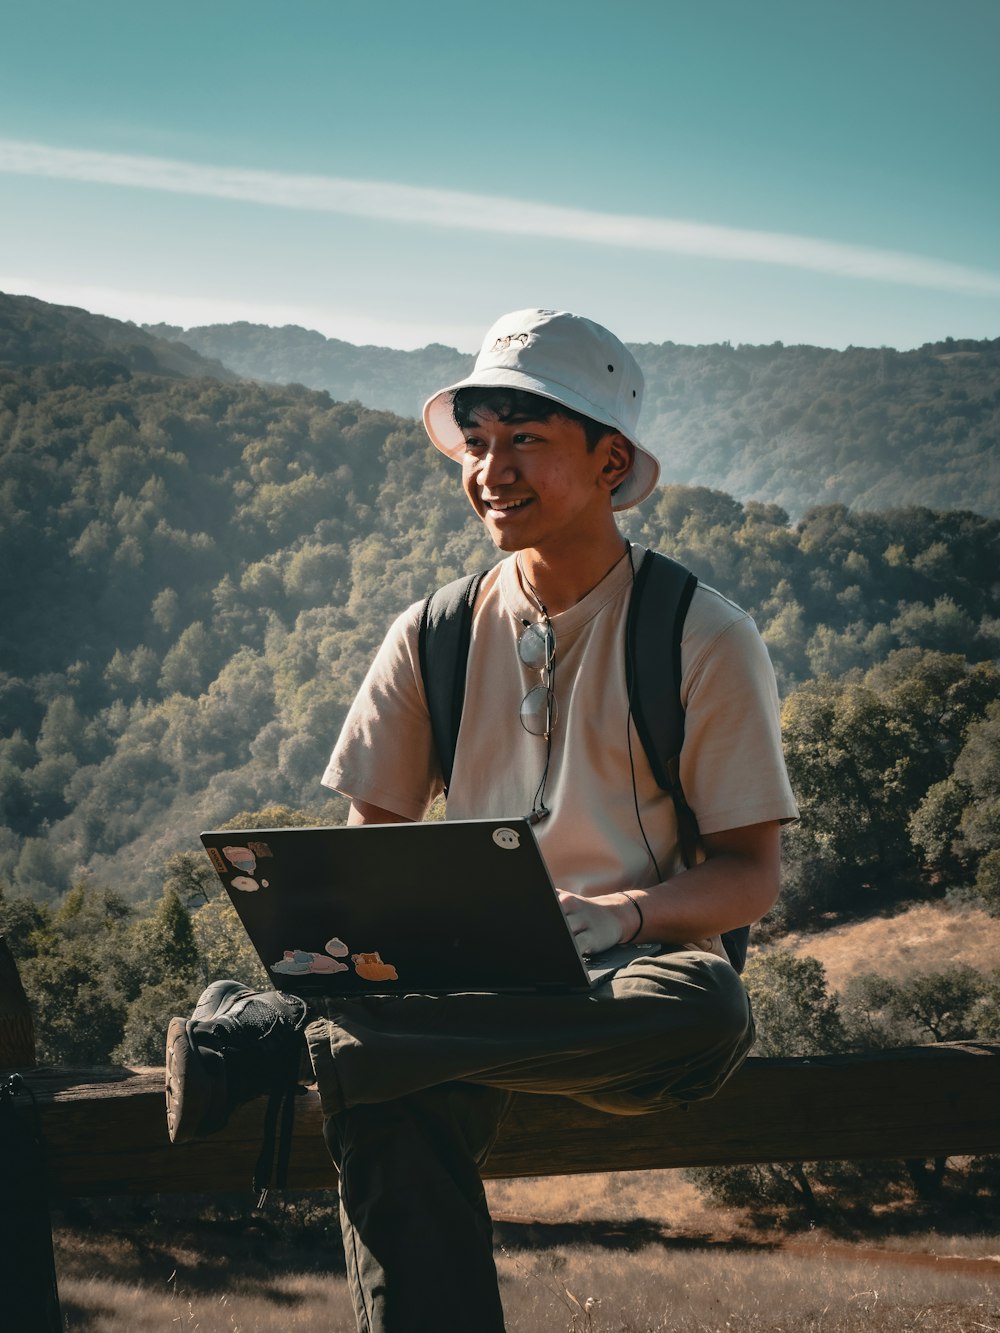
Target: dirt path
x,y
988,1266
518,1230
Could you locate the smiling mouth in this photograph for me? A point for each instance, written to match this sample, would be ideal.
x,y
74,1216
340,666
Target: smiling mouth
x,y
505,506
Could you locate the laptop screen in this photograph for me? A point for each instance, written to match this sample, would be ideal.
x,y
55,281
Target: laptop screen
x,y
461,905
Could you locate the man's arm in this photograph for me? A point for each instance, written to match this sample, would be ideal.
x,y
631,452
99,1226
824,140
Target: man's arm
x,y
735,885
363,812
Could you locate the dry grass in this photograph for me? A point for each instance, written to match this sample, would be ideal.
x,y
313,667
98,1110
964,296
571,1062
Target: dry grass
x,y
733,1292
297,1302
641,1247
586,1290
924,938
662,1197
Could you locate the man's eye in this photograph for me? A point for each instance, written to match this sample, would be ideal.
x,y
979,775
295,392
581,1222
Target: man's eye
x,y
523,437
472,446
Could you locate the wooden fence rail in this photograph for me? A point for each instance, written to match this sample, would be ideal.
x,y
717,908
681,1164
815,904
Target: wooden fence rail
x,y
105,1129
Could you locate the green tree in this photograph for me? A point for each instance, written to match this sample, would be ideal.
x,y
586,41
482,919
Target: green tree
x,y
926,1006
224,947
987,882
190,877
73,982
163,945
794,1012
20,919
869,761
958,821
977,770
188,666
795,1015
148,1016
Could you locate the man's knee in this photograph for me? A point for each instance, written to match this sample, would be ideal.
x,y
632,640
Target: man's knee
x,y
725,999
706,989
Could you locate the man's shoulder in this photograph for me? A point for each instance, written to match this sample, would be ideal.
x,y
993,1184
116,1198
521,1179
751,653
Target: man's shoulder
x,y
712,612
450,596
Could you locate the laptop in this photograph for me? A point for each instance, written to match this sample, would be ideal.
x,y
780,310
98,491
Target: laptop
x,y
441,907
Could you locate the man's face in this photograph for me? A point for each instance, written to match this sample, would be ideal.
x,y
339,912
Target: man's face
x,y
534,483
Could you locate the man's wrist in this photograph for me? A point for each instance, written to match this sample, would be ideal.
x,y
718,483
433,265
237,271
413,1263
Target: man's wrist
x,y
630,933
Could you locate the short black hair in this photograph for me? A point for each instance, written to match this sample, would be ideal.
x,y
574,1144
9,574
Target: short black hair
x,y
513,404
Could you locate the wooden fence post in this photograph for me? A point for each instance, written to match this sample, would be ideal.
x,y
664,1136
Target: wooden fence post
x,y
17,1031
27,1263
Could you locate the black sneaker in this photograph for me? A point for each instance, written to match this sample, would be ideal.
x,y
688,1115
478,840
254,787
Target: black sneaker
x,y
238,1044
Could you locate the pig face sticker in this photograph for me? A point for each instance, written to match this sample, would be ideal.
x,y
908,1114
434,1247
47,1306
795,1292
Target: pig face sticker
x,y
242,858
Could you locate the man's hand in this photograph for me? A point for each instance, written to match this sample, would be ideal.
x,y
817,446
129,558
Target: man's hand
x,y
735,885
598,923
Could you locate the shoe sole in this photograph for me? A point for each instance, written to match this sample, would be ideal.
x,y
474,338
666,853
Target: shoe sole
x,y
191,1089
192,1092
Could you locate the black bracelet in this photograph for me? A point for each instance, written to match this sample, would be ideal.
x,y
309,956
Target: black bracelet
x,y
639,927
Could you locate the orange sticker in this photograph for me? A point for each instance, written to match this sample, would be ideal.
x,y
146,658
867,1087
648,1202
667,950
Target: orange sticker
x,y
216,858
371,968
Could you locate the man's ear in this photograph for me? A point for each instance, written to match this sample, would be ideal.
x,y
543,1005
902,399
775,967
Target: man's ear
x,y
620,457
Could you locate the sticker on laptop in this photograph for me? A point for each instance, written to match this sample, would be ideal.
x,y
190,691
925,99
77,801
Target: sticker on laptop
x,y
506,838
215,856
242,858
297,962
260,849
245,884
370,967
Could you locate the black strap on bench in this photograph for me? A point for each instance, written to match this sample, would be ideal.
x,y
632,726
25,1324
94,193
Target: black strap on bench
x,y
30,1297
445,636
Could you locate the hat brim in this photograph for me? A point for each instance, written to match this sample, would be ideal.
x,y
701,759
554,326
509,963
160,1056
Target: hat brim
x,y
445,434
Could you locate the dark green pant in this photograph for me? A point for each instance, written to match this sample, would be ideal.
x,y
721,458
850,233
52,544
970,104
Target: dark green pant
x,y
415,1087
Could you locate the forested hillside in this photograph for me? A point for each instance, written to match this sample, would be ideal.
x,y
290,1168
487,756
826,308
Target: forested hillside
x,y
195,574
799,426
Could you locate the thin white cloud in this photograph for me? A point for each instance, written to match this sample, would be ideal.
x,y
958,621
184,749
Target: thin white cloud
x,y
412,205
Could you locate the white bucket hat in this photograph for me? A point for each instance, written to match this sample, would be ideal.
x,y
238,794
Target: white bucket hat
x,y
566,358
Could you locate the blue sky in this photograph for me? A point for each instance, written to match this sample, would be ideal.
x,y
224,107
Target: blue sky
x,y
822,172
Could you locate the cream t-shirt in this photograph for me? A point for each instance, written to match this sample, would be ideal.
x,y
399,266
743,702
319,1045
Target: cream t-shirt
x,y
731,765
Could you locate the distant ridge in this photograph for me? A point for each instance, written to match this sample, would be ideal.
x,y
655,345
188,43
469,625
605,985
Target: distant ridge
x,y
799,426
380,377
34,332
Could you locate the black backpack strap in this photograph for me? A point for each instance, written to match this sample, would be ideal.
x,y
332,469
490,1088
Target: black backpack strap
x,y
443,643
653,661
653,677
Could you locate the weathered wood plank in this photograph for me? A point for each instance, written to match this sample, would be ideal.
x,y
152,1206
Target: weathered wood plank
x,y
106,1131
919,1102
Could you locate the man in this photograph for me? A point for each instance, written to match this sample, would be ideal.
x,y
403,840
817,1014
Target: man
x,y
414,1087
